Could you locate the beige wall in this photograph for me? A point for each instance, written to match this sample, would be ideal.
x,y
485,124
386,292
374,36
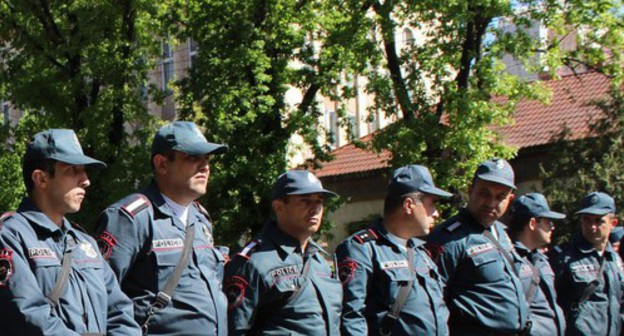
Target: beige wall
x,y
348,213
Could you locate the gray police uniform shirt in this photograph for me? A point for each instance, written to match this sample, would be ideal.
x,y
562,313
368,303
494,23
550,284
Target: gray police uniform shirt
x,y
373,267
483,292
269,296
545,314
31,253
575,267
143,242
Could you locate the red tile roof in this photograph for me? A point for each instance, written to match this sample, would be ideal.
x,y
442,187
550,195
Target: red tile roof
x,y
535,123
350,159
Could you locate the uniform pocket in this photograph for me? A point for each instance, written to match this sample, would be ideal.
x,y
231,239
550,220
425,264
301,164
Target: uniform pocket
x,y
489,267
168,258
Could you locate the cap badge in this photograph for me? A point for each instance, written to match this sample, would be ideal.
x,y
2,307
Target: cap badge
x,y
594,199
500,164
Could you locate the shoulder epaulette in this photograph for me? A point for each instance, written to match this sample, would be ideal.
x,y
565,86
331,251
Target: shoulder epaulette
x,y
5,216
364,236
202,210
249,248
453,226
135,205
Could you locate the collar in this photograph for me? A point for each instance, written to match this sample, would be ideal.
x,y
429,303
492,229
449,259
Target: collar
x,y
586,247
29,210
285,242
160,206
521,248
180,211
382,231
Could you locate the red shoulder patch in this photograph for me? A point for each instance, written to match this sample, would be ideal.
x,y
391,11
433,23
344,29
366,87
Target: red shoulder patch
x,y
346,270
106,241
235,291
6,266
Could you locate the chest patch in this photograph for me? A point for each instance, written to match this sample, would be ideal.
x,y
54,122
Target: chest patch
x,y
394,264
478,249
167,244
525,271
88,249
284,271
41,252
582,268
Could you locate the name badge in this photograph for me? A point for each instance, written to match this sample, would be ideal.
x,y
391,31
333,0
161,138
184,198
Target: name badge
x,y
165,244
394,264
481,248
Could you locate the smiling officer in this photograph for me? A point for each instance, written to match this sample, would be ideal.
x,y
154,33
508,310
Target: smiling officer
x,y
280,283
53,280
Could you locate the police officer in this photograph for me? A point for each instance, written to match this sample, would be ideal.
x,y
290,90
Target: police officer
x,y
615,238
280,283
476,257
391,286
531,226
159,240
588,273
53,280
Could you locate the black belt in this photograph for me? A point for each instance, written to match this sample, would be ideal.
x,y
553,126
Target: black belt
x,y
476,328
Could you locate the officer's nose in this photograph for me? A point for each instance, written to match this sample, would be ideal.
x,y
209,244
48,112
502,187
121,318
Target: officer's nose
x,y
84,180
436,213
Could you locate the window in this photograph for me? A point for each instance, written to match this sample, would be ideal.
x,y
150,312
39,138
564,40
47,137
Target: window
x,y
5,112
167,67
192,48
408,38
332,127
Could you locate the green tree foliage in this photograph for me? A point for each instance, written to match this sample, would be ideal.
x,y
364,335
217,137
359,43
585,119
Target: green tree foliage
x,y
446,91
248,51
81,65
449,88
592,164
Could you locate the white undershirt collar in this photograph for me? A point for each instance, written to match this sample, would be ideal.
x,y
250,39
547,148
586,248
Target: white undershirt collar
x,y
178,210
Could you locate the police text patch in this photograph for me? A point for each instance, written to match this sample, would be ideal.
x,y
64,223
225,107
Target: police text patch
x,y
41,252
582,268
283,271
394,264
481,248
165,244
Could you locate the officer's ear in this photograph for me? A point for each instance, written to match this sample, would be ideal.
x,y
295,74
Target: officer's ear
x,y
614,221
160,163
277,205
40,178
533,224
